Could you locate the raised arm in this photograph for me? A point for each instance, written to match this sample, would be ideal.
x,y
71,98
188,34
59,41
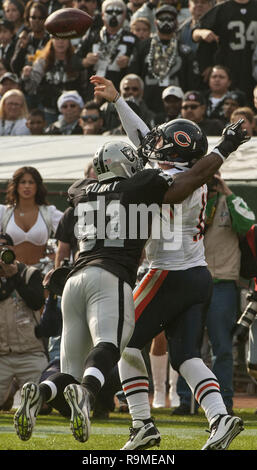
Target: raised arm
x,y
185,183
131,122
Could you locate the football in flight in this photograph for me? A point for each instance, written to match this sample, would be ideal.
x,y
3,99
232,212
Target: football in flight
x,y
68,23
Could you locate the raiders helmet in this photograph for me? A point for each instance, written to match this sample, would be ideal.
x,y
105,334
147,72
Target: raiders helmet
x,y
116,159
182,143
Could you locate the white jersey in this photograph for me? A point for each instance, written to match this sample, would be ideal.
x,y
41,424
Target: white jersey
x,y
184,248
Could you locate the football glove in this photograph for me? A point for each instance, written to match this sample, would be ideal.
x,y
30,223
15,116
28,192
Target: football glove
x,y
232,137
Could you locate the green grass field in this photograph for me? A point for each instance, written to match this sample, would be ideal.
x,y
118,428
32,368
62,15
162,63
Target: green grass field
x,y
52,432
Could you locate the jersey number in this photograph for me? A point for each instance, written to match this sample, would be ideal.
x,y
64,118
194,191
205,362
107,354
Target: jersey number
x,y
242,34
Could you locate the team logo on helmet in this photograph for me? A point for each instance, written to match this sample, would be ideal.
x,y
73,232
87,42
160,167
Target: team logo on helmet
x,y
182,138
129,153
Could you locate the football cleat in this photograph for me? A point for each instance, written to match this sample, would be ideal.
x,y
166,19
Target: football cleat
x,y
143,437
78,400
25,416
223,431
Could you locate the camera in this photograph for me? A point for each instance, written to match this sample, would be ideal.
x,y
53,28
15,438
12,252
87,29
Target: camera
x,y
58,278
7,255
247,318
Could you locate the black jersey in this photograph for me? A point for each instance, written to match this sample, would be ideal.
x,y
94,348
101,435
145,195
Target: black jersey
x,y
236,26
114,220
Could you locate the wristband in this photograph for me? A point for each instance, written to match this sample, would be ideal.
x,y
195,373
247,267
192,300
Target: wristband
x,y
216,150
116,97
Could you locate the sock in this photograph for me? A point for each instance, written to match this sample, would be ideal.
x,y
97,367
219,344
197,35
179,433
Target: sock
x,y
159,374
135,384
52,390
99,366
205,387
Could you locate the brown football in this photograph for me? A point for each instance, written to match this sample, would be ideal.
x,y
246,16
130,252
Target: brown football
x,y
68,23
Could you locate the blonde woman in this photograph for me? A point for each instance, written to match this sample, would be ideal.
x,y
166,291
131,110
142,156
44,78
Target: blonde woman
x,y
55,69
13,113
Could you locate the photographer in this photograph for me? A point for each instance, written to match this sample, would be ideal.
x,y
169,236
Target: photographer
x,y
22,354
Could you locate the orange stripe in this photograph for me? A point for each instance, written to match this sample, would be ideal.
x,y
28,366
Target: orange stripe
x,y
206,386
142,285
138,384
140,308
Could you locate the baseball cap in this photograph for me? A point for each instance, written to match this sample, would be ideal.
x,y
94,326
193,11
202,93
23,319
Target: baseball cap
x,y
10,76
166,9
194,96
71,95
236,95
173,91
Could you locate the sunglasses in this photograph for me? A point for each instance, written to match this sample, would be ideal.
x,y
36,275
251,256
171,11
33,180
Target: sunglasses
x,y
40,18
133,88
71,105
190,106
92,117
114,11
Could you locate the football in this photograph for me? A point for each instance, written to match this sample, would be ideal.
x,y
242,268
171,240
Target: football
x,y
68,23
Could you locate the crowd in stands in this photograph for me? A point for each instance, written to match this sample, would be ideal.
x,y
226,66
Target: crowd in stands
x,y
195,59
168,58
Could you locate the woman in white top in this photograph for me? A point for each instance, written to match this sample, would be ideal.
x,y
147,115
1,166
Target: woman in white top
x,y
27,217
13,113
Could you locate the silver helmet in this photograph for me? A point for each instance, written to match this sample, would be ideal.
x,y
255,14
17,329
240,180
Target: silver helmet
x,y
116,159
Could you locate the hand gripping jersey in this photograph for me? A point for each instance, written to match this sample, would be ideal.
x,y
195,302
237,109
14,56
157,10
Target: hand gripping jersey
x,y
114,220
185,223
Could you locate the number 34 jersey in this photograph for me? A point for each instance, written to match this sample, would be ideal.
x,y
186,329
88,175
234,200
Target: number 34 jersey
x,y
185,224
114,220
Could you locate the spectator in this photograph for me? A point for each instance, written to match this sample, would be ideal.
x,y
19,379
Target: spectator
x,y
33,40
7,42
22,354
13,113
69,105
196,8
54,70
227,216
163,60
9,81
27,217
172,97
110,51
219,83
14,12
148,10
36,122
141,28
247,115
226,36
91,119
232,101
194,107
132,89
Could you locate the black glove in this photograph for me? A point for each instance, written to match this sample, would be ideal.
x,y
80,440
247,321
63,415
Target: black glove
x,y
232,137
